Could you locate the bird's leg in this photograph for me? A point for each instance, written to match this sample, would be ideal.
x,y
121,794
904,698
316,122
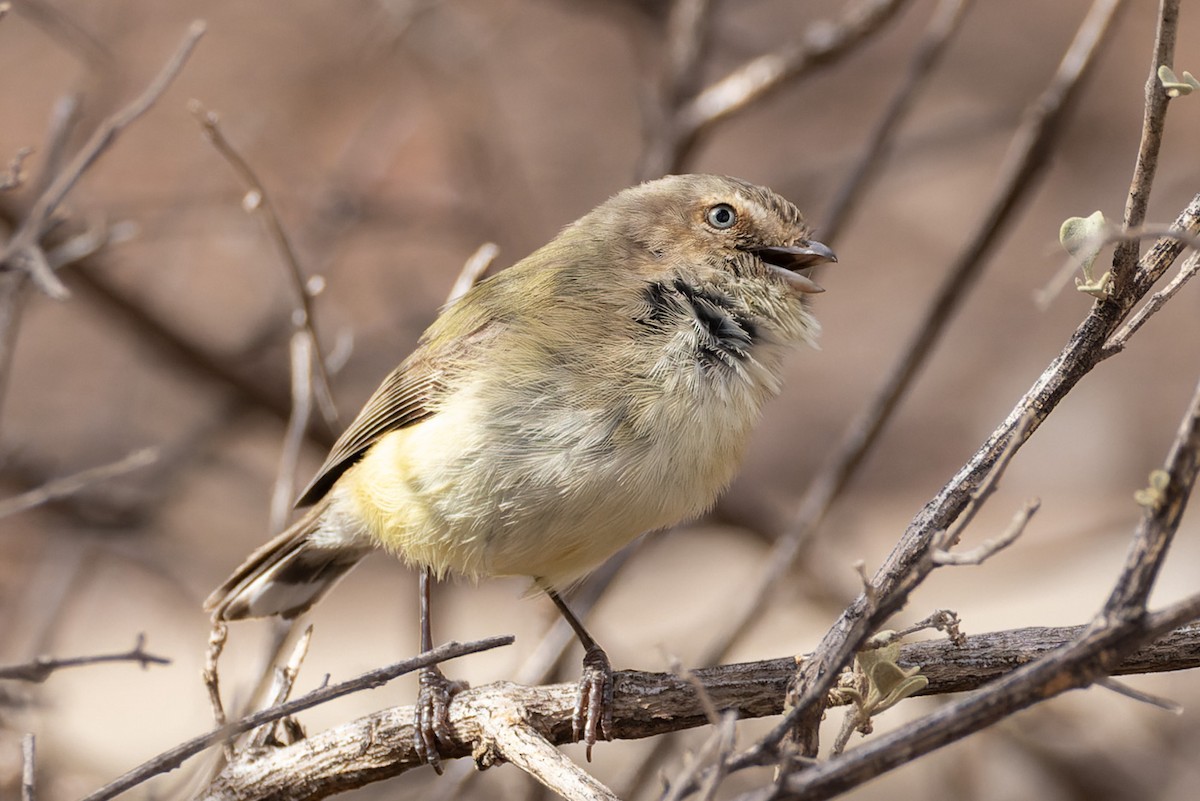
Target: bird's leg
x,y
433,700
593,705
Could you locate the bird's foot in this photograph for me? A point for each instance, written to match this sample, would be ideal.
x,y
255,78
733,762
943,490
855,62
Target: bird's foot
x,y
593,706
433,714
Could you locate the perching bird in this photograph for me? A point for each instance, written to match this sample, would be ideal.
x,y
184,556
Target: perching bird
x,y
603,387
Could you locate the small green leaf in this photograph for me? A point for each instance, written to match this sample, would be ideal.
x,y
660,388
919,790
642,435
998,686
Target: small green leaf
x,y
1174,86
1152,497
1083,237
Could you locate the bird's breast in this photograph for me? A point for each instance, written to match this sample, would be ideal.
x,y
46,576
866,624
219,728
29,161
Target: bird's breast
x,y
548,468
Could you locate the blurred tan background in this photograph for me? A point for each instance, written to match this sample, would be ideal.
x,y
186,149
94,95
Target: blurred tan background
x,y
397,137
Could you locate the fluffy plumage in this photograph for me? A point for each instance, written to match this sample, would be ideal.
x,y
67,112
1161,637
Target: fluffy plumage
x,y
602,387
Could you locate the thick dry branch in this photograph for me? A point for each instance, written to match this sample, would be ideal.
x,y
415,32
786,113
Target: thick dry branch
x,y
511,739
380,745
1087,659
38,670
173,758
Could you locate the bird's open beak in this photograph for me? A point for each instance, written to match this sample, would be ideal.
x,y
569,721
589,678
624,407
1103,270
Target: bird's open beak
x,y
788,261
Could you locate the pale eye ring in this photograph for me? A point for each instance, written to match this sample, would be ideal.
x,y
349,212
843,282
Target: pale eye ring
x,y
721,216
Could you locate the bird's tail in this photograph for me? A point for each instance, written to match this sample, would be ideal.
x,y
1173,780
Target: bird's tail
x,y
287,575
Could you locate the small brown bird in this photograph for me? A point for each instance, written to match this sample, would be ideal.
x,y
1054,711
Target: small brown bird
x,y
603,387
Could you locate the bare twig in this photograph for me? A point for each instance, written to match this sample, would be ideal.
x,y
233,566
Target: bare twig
x,y
715,751
988,548
13,176
822,43
38,670
512,738
212,678
69,485
1159,523
304,354
986,488
285,679
941,29
1119,340
169,760
63,119
24,246
675,137
1121,688
687,42
28,767
257,199
156,331
1153,122
63,29
473,270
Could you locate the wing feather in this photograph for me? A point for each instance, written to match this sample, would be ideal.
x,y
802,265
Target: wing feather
x,y
406,397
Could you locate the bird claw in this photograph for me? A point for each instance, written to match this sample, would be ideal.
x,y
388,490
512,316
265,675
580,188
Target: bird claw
x,y
433,714
593,705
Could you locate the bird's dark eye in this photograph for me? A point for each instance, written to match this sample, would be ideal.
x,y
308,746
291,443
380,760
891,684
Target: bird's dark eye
x,y
721,216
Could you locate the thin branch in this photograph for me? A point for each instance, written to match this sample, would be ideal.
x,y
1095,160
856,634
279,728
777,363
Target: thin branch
x,y
715,751
156,331
28,760
473,270
69,485
284,681
304,353
24,243
1121,688
823,43
38,670
1160,522
1044,296
63,119
257,199
986,487
687,35
13,176
211,675
1153,122
1119,340
169,760
989,548
942,26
